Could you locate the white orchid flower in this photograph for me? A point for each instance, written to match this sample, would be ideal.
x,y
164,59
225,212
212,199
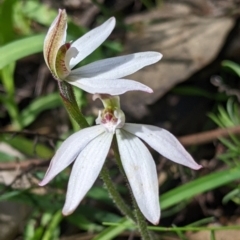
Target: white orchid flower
x,y
89,148
104,76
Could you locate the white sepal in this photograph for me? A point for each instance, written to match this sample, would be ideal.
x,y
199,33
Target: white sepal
x,y
163,142
55,38
85,171
141,173
90,41
69,150
117,67
112,87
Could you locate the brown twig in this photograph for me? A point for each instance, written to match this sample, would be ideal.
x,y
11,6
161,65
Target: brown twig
x,y
209,136
30,163
27,132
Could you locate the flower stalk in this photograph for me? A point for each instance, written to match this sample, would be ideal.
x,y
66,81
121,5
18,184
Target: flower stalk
x,y
141,222
70,103
112,190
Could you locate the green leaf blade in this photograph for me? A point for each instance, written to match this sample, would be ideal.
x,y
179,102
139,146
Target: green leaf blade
x,y
20,48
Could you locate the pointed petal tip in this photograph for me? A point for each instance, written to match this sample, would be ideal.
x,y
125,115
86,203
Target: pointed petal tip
x,y
62,11
197,167
154,219
140,87
149,90
159,56
42,183
156,222
66,211
193,165
145,88
111,23
113,19
155,56
111,86
54,39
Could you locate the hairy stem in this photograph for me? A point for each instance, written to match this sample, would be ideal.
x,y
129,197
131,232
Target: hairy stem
x,y
142,224
118,200
70,103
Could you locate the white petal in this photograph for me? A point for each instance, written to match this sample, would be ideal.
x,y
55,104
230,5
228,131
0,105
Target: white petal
x,y
117,67
85,170
90,41
69,150
141,172
112,87
163,142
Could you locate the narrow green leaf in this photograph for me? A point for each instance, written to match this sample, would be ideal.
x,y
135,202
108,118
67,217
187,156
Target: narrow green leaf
x,y
113,231
27,146
22,23
30,229
7,77
203,221
235,192
83,223
195,91
198,186
38,12
213,235
229,144
20,48
216,119
189,228
30,113
6,21
12,109
4,157
179,233
53,226
232,66
224,117
11,194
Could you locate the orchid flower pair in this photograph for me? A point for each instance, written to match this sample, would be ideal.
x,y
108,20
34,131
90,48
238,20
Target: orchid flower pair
x,y
89,147
100,77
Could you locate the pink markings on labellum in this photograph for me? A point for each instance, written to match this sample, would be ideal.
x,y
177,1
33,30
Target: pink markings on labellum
x,y
61,66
